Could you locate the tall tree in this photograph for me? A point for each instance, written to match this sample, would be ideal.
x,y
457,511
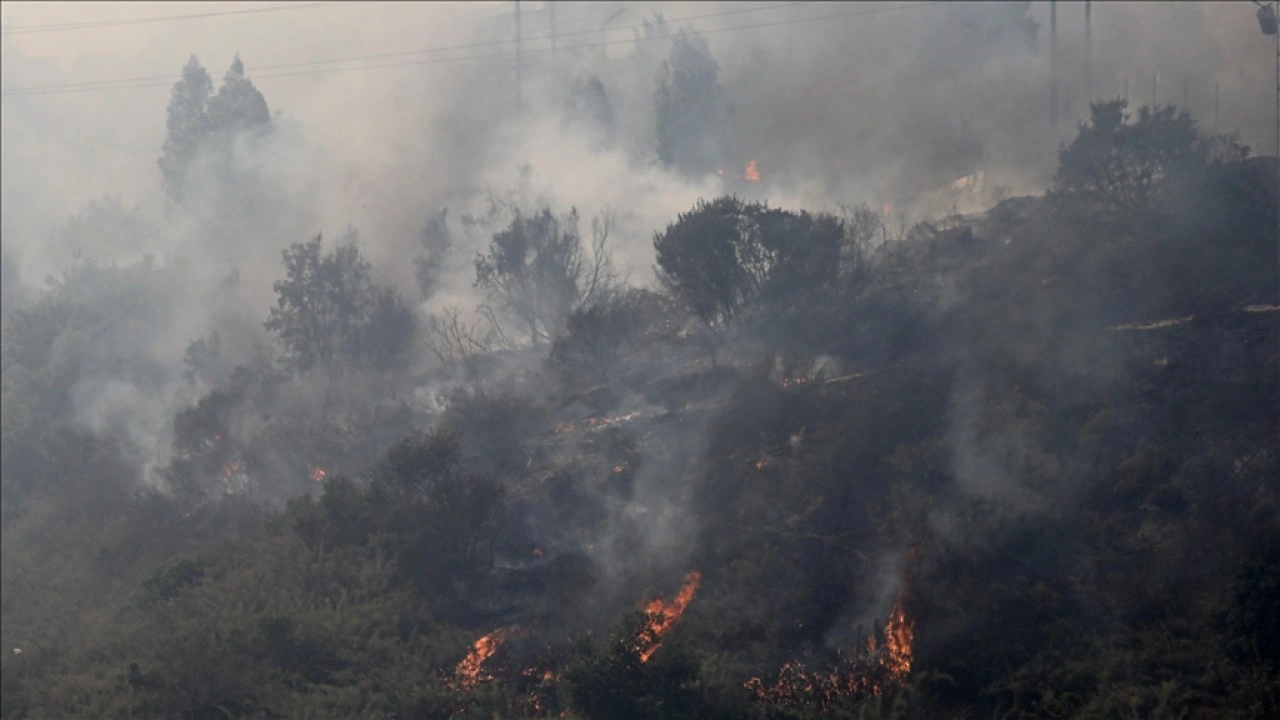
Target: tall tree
x,y
187,125
690,108
238,106
588,110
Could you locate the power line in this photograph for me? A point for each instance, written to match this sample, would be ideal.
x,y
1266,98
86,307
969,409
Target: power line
x,y
260,69
54,90
62,27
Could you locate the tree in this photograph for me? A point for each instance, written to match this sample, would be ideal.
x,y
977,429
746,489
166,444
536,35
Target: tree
x,y
386,339
1114,170
186,124
452,339
588,110
196,116
104,225
436,244
596,335
724,256
321,304
238,107
689,105
536,272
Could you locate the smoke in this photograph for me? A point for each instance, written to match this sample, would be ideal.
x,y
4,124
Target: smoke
x,y
878,103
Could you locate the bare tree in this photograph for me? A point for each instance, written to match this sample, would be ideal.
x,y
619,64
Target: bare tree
x,y
452,339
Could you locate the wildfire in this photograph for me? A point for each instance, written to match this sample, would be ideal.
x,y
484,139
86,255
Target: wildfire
x,y
595,423
663,615
762,464
317,474
468,671
752,173
537,552
867,673
618,469
793,382
234,467
898,634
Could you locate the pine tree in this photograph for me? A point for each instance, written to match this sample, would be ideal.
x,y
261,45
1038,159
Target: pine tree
x,y
238,106
187,125
690,107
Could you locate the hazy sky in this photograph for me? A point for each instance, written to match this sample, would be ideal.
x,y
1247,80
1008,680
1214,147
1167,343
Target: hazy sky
x,y
870,105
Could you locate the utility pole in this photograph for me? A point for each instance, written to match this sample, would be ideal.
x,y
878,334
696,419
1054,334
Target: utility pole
x,y
1053,62
1088,51
519,64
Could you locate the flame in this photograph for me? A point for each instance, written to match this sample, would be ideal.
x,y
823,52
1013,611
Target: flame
x,y
565,428
752,173
537,552
867,673
793,382
762,464
899,632
663,615
468,671
234,467
618,468
888,209
317,474
720,172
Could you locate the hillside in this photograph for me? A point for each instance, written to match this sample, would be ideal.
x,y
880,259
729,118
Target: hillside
x,y
1021,464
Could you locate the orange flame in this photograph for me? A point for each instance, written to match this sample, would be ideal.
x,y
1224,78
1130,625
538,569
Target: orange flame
x,y
317,474
618,468
866,673
663,615
537,552
468,671
762,464
898,635
234,467
752,173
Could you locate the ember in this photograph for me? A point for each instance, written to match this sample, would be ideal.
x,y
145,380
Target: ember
x,y
752,173
317,474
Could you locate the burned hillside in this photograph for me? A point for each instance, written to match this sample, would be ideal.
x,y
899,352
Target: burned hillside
x,y
1014,457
